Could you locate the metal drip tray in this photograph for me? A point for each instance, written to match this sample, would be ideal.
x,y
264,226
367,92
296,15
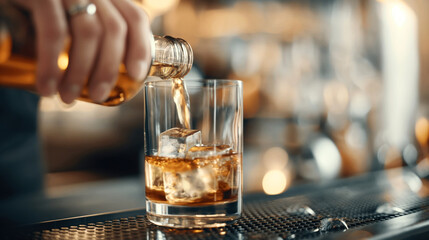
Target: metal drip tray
x,y
377,206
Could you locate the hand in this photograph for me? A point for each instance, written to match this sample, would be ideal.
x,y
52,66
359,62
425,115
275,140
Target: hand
x,y
118,32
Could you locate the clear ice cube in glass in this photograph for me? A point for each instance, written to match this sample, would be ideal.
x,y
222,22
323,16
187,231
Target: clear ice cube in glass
x,y
175,142
189,186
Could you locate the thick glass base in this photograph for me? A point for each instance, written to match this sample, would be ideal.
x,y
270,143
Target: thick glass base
x,y
217,215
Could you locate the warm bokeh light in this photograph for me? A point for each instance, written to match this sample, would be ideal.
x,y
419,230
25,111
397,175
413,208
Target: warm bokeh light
x,y
274,182
5,46
63,61
217,23
251,94
393,158
185,28
401,179
158,7
275,158
336,96
422,131
398,11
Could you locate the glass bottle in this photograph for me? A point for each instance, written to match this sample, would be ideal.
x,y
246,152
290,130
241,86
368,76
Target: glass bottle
x,y
171,58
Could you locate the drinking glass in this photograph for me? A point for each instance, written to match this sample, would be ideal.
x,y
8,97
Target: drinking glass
x,y
193,152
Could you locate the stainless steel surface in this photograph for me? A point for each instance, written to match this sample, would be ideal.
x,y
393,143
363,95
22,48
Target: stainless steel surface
x,y
381,205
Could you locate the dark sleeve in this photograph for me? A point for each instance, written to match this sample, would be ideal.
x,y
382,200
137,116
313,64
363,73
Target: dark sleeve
x,y
21,169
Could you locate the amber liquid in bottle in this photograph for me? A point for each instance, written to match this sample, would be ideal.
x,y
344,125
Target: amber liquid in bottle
x,y
19,72
171,58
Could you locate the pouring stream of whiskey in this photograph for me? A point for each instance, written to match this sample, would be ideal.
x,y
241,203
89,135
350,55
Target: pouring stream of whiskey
x,y
181,99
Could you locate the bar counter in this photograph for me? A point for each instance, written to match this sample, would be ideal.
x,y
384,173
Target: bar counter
x,y
390,204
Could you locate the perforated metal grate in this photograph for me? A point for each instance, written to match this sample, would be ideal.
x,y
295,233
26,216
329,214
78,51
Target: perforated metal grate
x,y
300,217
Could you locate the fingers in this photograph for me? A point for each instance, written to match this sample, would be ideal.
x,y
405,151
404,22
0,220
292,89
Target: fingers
x,y
86,32
111,51
51,31
119,31
138,57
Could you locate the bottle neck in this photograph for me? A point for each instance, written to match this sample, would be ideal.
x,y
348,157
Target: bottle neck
x,y
171,57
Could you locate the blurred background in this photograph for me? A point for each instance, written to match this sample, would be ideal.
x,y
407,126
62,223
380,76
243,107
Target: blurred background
x,y
332,89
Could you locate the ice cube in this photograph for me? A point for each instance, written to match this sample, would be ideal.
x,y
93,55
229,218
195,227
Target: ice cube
x,y
300,209
221,158
203,151
154,177
189,186
224,164
175,142
388,208
206,173
333,224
